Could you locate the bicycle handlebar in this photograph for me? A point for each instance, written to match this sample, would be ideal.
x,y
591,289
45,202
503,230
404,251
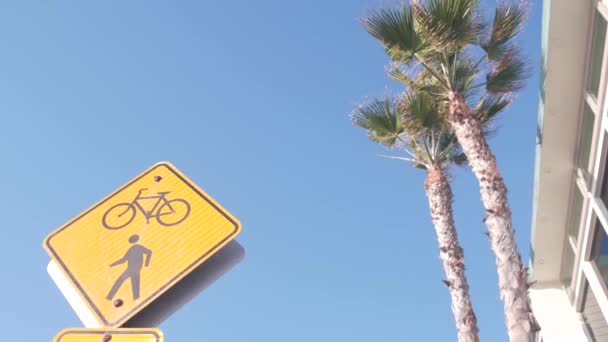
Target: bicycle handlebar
x,y
141,190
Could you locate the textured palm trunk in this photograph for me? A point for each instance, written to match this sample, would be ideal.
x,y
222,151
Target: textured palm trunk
x,y
512,275
439,195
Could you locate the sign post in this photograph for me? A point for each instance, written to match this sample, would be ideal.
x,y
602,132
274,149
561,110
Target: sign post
x,y
132,246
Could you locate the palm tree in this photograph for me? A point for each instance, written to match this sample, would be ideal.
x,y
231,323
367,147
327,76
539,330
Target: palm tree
x,y
447,46
414,126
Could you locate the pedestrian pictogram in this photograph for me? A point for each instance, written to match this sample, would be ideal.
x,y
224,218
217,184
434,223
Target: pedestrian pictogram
x,y
133,258
132,246
109,335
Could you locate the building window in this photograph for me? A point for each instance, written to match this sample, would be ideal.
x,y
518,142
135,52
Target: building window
x,y
567,270
596,56
599,251
584,148
593,317
576,208
604,192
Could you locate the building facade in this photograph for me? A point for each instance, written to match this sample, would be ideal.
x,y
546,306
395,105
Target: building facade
x,y
569,243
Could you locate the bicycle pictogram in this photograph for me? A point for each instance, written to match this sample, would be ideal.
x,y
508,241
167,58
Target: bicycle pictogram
x,y
168,212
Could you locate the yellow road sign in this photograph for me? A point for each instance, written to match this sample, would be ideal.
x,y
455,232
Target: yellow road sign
x,y
133,245
109,335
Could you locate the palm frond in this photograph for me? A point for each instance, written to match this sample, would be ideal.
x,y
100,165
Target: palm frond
x,y
427,129
508,74
395,28
459,159
420,115
449,149
508,21
449,25
465,72
489,107
381,120
428,83
416,162
396,72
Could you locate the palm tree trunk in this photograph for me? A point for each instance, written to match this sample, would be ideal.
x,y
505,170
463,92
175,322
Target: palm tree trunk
x,y
512,275
439,194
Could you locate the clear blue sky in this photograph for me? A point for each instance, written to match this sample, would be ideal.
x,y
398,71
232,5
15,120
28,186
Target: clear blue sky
x,y
251,100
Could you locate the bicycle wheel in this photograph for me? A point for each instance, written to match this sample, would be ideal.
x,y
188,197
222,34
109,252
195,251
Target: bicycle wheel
x,y
173,212
118,216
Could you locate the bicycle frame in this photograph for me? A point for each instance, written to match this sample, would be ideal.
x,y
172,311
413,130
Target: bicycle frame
x,y
149,214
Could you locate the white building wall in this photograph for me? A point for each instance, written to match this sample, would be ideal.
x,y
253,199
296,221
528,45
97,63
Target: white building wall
x,y
556,316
